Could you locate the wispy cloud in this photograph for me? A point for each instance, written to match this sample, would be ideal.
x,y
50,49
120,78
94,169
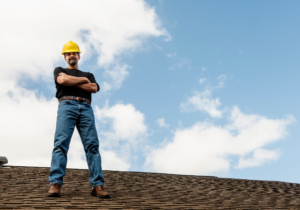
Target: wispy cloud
x,y
202,80
259,157
171,55
202,101
221,80
162,123
180,64
115,77
222,77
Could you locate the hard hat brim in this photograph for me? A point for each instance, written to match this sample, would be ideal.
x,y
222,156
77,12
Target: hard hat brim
x,y
70,51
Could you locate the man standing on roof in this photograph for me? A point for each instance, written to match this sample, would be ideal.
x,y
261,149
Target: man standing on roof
x,y
74,90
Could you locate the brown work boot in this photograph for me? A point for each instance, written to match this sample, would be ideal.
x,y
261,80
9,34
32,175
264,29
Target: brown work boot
x,y
100,192
54,190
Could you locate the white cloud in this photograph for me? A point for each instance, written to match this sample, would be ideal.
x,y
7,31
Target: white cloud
x,y
31,39
28,124
201,101
202,80
205,148
260,157
127,123
112,162
162,123
124,133
99,27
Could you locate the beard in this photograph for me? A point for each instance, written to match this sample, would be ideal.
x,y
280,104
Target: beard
x,y
72,62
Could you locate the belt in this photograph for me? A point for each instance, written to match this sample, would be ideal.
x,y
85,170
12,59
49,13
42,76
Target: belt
x,y
74,98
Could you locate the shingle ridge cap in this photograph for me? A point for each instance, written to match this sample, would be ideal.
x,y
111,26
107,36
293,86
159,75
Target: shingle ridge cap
x,y
258,180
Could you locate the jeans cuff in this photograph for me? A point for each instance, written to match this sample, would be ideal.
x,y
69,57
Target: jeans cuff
x,y
55,182
95,185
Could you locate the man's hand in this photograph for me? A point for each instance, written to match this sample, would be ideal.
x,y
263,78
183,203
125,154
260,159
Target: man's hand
x,y
67,80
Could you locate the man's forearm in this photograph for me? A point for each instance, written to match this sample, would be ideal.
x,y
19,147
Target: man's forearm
x,y
88,87
68,80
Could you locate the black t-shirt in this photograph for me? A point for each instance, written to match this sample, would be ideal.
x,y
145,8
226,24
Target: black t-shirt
x,y
63,90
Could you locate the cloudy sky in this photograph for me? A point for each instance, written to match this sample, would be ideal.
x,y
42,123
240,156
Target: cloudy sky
x,y
197,87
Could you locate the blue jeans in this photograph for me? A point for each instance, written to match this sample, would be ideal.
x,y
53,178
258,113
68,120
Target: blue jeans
x,y
73,113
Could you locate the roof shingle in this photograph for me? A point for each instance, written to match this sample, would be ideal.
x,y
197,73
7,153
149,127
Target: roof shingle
x,y
26,188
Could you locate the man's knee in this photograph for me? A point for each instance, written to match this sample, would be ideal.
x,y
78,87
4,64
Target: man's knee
x,y
92,148
59,149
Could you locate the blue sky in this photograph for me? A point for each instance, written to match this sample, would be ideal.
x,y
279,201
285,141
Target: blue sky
x,y
255,44
220,75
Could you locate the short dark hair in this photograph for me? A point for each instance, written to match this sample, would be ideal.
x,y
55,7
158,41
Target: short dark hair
x,y
65,54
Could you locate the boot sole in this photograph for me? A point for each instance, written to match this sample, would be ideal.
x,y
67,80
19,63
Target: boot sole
x,y
53,195
95,194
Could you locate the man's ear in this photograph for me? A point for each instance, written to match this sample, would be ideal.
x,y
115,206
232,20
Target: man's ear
x,y
78,56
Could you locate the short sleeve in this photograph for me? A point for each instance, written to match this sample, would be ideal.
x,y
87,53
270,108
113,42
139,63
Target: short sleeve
x,y
93,80
56,73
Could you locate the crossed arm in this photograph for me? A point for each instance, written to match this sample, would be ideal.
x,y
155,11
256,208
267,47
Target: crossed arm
x,y
79,82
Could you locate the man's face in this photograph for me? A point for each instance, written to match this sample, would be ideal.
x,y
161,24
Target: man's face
x,y
72,58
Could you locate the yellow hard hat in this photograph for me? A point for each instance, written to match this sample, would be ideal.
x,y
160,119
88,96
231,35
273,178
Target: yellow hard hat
x,y
70,47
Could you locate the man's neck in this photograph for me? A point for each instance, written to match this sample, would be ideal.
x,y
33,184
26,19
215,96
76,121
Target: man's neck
x,y
73,67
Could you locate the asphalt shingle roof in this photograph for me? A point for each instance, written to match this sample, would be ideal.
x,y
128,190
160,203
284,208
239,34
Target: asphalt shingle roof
x,y
26,188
